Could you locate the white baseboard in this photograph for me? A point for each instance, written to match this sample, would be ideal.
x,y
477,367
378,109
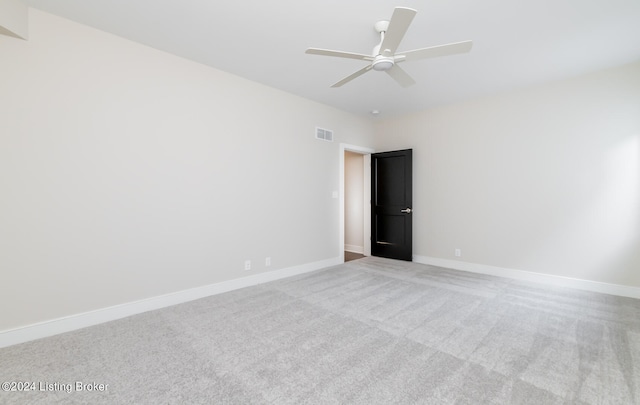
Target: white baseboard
x,y
83,320
586,285
354,249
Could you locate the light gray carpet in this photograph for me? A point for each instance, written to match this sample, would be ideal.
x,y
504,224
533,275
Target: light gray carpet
x,y
370,331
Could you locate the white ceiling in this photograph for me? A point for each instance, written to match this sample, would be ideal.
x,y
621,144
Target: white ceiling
x,y
516,42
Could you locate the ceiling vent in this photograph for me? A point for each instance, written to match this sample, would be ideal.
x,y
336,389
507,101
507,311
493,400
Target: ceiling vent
x,y
324,134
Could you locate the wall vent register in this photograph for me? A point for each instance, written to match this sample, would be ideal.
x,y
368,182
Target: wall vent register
x,y
324,134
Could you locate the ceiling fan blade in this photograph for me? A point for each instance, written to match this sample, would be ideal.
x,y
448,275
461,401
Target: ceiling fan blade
x,y
435,51
353,76
399,75
398,26
339,54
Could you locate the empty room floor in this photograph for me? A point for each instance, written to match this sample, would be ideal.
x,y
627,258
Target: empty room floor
x,y
369,331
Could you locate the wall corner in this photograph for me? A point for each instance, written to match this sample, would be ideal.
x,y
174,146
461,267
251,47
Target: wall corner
x,y
14,19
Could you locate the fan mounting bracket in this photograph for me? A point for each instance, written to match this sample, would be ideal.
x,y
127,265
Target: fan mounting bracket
x,y
381,26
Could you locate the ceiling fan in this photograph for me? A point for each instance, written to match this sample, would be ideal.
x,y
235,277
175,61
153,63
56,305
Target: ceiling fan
x,y
384,56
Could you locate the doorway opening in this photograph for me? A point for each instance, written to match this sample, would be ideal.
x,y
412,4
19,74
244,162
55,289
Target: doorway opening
x,y
353,206
355,197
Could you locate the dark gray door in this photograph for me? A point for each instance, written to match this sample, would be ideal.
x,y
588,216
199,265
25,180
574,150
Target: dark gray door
x,y
391,202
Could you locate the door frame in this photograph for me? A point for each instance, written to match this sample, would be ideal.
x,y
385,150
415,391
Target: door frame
x,y
366,152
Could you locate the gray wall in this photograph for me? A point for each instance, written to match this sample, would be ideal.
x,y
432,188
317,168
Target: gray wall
x,y
545,179
128,173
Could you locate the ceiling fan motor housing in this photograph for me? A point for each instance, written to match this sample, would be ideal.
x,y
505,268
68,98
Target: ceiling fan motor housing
x,y
382,63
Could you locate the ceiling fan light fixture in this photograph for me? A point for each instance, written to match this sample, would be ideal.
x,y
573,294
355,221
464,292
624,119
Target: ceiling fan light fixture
x,y
381,64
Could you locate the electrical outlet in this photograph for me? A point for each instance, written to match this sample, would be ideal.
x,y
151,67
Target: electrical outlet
x,y
458,252
247,264
267,262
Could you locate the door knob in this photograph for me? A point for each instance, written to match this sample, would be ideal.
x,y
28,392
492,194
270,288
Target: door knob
x,y
406,210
